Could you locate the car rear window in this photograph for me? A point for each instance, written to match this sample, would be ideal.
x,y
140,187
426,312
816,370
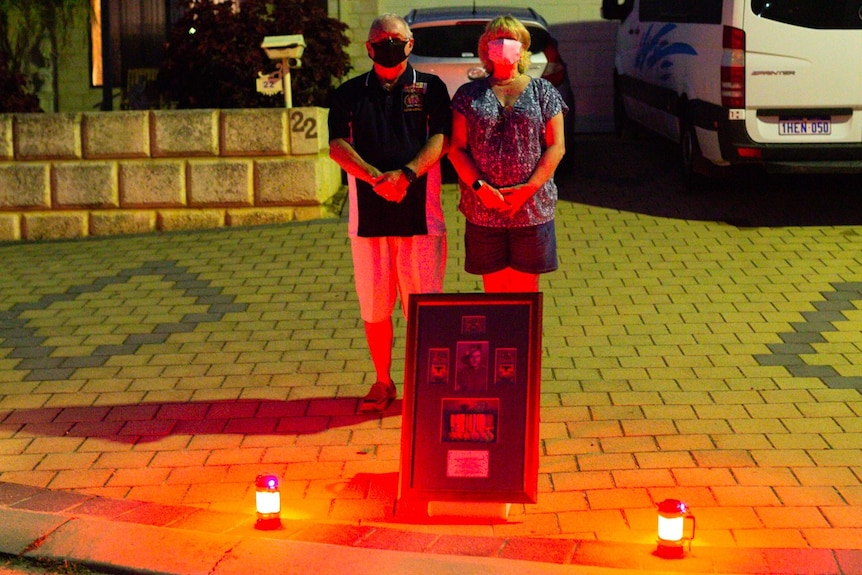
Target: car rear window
x,y
819,14
462,40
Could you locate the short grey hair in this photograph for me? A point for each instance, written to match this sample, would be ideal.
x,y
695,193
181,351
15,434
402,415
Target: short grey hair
x,y
381,22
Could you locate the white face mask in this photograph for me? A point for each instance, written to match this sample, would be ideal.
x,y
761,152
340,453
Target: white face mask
x,y
504,51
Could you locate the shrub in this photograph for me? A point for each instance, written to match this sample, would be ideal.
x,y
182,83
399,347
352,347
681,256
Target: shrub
x,y
213,54
13,95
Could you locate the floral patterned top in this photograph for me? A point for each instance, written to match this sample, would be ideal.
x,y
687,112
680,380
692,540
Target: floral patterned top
x,y
506,144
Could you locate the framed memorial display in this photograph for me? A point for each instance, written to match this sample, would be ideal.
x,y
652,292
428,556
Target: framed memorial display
x,y
471,398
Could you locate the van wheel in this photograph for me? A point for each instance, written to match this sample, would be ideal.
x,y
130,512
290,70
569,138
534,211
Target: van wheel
x,y
624,128
692,159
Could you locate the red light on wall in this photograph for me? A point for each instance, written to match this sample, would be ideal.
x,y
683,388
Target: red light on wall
x,y
268,502
672,515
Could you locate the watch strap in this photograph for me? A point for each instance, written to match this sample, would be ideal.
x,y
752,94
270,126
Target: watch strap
x,y
409,174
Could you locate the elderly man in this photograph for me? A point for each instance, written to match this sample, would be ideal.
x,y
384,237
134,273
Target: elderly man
x,y
388,130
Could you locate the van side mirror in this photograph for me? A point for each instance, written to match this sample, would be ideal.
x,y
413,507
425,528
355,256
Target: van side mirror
x,y
616,9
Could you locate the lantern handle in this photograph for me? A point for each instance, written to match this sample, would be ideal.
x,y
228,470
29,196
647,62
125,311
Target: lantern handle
x,y
690,515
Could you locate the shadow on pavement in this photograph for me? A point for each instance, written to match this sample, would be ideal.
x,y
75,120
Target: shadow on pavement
x,y
641,175
146,422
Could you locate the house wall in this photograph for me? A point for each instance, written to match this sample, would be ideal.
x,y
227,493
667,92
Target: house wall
x,y
76,92
72,175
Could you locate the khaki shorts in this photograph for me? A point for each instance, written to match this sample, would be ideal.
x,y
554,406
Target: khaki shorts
x,y
388,266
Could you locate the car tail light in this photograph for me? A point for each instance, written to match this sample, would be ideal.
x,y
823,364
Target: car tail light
x,y
733,68
555,71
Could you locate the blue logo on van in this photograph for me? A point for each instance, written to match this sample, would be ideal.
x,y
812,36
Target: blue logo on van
x,y
655,50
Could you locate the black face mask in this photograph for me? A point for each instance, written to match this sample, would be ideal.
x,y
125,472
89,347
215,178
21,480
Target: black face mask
x,y
389,53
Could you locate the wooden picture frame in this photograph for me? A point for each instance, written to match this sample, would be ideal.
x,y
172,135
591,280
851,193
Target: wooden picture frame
x,y
471,398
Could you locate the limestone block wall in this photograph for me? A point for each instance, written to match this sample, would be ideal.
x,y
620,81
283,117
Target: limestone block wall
x,y
65,176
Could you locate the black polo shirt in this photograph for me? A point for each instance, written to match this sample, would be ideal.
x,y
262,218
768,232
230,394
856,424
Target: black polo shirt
x,y
387,128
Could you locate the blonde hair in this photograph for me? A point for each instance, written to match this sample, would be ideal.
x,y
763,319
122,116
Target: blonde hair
x,y
508,25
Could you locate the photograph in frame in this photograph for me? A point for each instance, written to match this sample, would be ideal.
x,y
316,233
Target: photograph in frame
x,y
471,398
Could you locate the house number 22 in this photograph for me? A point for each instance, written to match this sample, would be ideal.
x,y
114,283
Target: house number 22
x,y
301,124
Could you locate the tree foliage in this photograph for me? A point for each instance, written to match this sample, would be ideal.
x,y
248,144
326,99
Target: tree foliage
x,y
26,28
14,97
213,55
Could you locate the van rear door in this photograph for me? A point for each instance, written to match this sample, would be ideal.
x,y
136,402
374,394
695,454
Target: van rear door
x,y
803,69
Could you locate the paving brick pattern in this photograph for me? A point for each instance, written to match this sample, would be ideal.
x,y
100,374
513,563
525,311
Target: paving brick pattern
x,y
683,358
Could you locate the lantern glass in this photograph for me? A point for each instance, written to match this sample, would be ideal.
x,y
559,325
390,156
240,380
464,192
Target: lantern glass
x,y
670,528
268,502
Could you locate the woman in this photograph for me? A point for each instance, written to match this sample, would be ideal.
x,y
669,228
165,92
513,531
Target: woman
x,y
507,140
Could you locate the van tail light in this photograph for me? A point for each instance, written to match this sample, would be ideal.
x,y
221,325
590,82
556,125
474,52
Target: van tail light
x,y
733,68
555,70
750,153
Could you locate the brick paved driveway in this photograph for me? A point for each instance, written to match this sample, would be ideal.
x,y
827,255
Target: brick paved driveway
x,y
705,347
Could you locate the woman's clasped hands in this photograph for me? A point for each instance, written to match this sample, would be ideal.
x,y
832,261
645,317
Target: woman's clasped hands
x,y
507,200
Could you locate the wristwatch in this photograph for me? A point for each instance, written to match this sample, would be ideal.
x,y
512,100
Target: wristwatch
x,y
409,174
477,185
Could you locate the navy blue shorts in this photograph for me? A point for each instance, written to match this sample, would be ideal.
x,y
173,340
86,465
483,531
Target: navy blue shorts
x,y
531,250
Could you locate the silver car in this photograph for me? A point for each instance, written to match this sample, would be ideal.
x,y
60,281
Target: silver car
x,y
447,40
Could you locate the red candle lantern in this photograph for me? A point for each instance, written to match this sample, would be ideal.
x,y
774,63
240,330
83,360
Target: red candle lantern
x,y
268,502
672,517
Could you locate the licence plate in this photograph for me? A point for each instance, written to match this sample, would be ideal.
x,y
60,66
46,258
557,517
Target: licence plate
x,y
804,126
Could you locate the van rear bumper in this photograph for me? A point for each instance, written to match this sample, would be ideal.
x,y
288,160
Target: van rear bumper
x,y
733,137
738,148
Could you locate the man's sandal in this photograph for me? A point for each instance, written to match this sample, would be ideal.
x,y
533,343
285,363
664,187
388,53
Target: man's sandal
x,y
380,396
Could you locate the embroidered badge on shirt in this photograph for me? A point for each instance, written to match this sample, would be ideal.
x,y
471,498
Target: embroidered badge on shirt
x,y
414,96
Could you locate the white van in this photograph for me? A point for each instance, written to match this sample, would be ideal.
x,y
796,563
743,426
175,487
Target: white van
x,y
770,82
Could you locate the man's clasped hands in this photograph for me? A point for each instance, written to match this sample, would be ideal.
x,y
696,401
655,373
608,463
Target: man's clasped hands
x,y
391,185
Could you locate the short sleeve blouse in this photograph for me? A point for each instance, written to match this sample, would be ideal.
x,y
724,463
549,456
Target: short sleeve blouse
x,y
506,144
